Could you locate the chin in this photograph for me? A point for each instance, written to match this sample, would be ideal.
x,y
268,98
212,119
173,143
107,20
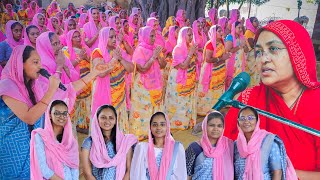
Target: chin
x,y
268,81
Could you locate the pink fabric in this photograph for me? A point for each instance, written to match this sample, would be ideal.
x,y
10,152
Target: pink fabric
x,y
57,154
172,41
112,23
152,79
211,14
103,23
155,172
222,167
133,26
10,40
99,154
12,79
153,14
50,25
179,18
207,75
26,37
90,29
249,26
0,71
35,21
11,13
128,37
233,16
53,9
48,59
180,53
107,13
63,37
196,36
82,20
222,22
32,12
159,38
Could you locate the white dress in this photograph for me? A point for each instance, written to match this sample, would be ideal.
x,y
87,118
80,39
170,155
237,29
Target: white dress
x,y
139,165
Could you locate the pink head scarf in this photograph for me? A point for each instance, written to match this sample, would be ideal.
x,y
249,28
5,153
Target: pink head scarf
x,y
50,25
222,167
45,50
172,41
63,37
99,153
57,154
179,18
90,29
153,14
11,13
180,53
249,26
12,79
196,36
32,12
152,79
82,19
131,17
103,23
159,38
233,16
222,23
52,9
112,23
212,14
35,21
161,172
26,37
207,72
10,40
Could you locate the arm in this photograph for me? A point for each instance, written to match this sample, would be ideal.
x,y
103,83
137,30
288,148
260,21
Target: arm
x,y
251,44
87,167
277,175
128,48
91,41
144,68
162,62
308,175
128,164
128,66
97,61
230,48
185,64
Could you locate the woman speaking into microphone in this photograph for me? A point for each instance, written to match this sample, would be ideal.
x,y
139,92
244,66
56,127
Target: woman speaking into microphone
x,y
23,102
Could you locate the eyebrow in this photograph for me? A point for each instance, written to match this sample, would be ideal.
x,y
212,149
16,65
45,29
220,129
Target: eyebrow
x,y
269,43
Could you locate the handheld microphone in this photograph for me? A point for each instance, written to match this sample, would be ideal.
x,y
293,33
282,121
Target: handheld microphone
x,y
46,74
238,84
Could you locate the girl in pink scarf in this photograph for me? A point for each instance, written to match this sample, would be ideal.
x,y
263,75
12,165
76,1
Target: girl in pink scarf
x,y
103,19
106,154
54,26
69,24
259,154
39,21
115,23
172,38
181,17
213,15
161,158
91,29
32,10
199,38
54,150
212,156
31,33
82,20
223,23
53,59
235,15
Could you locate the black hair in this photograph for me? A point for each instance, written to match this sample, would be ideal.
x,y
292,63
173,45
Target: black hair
x,y
53,104
125,21
26,55
255,112
152,117
214,115
114,129
237,23
252,19
16,24
176,27
30,27
51,35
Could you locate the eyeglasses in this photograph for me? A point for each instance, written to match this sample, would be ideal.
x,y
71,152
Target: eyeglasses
x,y
249,118
273,51
59,114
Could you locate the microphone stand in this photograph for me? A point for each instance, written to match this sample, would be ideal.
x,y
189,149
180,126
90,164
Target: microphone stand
x,y
288,122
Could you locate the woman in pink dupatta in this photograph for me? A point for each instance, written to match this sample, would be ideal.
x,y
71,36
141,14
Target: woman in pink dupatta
x,y
103,19
107,152
110,88
223,23
54,150
91,29
213,15
212,156
69,24
39,20
53,59
32,10
31,33
53,9
259,154
236,44
54,26
115,23
234,16
82,20
147,90
154,23
180,99
134,28
160,158
181,18
199,38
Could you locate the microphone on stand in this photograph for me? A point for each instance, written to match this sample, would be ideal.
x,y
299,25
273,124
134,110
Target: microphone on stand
x,y
46,74
238,84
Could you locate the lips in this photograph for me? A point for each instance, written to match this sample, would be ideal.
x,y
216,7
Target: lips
x,y
266,71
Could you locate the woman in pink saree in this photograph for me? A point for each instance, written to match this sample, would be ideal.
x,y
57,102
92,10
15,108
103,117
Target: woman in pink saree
x,y
199,38
69,24
39,20
91,29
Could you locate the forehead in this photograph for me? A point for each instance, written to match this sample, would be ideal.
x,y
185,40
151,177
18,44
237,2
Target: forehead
x,y
159,119
60,107
246,112
215,121
106,112
266,37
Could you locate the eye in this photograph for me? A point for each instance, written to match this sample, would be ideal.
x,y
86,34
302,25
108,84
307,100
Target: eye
x,y
273,49
258,53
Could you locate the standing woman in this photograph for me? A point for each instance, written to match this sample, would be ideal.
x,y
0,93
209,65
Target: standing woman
x,y
134,28
32,10
31,33
161,157
171,21
110,88
212,156
23,13
180,100
213,15
103,19
147,90
91,29
259,154
53,9
54,150
107,152
252,25
213,72
82,20
236,44
115,23
69,24
79,55
223,23
199,38
14,38
39,21
154,23
54,26
181,18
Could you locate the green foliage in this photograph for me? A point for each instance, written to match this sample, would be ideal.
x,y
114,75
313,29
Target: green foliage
x,y
255,2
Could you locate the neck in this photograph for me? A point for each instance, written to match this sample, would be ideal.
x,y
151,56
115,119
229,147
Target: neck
x,y
33,44
57,130
96,22
107,134
77,46
248,136
213,141
159,142
290,91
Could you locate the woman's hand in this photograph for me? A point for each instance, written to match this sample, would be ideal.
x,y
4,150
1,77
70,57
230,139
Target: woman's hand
x,y
83,54
60,59
193,49
225,56
157,52
53,83
101,68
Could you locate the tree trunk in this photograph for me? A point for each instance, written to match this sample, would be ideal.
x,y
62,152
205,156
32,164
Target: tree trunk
x,y
240,5
227,2
217,5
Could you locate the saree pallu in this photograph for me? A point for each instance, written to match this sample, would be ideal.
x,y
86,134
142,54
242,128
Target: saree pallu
x,y
217,84
180,100
81,114
144,104
252,69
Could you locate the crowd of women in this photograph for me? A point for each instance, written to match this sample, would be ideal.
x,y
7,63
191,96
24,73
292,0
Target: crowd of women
x,y
128,79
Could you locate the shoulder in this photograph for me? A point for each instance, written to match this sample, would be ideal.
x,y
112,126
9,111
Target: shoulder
x,y
96,53
209,46
4,44
87,142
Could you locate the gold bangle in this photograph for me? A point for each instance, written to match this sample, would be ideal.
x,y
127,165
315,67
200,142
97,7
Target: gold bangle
x,y
44,103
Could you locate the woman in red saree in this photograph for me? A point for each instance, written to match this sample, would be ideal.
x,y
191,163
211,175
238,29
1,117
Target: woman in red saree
x,y
288,88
